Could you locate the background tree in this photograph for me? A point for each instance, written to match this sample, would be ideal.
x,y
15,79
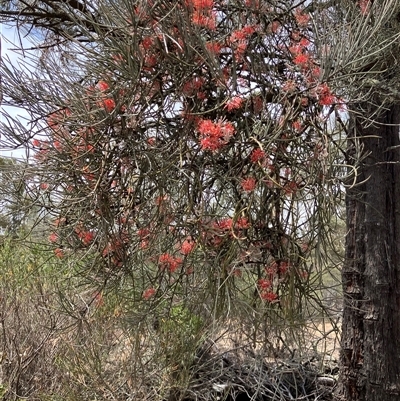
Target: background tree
x,y
13,190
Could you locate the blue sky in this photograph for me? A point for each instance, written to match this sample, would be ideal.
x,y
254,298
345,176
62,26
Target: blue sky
x,y
9,41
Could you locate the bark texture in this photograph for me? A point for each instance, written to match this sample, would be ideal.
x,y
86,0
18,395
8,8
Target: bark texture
x,y
371,274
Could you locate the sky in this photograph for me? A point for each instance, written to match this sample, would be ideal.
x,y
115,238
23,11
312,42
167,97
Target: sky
x,y
10,40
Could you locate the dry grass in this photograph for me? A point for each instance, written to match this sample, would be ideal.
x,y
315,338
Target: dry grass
x,y
54,349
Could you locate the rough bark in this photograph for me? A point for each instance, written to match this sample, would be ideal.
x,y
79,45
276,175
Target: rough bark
x,y
371,274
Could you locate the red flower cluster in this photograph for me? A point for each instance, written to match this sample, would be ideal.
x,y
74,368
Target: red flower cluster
x,y
187,246
214,135
147,42
223,224
169,262
191,87
54,120
239,40
269,296
264,284
249,184
302,60
204,20
53,237
257,155
325,96
86,237
265,290
115,251
103,86
365,6
234,103
108,104
242,223
302,19
242,34
202,5
297,125
203,16
59,253
213,47
147,294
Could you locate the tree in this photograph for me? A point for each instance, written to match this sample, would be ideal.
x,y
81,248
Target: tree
x,y
190,150
370,278
370,344
14,204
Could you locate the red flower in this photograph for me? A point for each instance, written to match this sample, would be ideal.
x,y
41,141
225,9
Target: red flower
x,y
252,3
57,145
242,223
147,42
86,237
224,224
234,103
150,61
144,244
147,294
115,245
302,60
304,42
364,6
213,135
202,4
204,20
269,296
190,88
143,233
103,86
302,19
240,49
283,267
108,104
167,261
257,155
248,184
151,141
201,95
53,237
187,246
290,187
325,96
59,253
297,126
289,86
59,222
54,119
264,284
274,26
296,49
271,269
303,274
242,34
213,47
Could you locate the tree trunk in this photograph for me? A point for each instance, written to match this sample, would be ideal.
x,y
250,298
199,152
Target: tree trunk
x,y
370,360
